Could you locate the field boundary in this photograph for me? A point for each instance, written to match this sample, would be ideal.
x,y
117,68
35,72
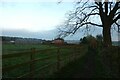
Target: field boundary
x,y
75,54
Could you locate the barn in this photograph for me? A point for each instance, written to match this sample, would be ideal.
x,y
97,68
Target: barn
x,y
58,41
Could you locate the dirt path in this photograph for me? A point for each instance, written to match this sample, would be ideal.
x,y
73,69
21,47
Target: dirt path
x,y
88,66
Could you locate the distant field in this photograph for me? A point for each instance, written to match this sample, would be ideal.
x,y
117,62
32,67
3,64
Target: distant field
x,y
13,48
66,54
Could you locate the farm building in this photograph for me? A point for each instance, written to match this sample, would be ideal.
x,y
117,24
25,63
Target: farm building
x,y
58,41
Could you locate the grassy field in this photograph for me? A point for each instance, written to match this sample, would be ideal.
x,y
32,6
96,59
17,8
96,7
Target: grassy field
x,y
65,55
13,48
103,63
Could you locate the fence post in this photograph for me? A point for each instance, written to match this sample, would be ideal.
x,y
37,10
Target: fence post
x,y
70,57
58,58
32,68
75,52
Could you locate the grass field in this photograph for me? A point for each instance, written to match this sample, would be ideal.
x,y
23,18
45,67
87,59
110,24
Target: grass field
x,y
103,63
13,48
65,55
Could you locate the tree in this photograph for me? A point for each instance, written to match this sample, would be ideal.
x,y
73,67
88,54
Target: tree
x,y
89,40
99,13
83,40
99,37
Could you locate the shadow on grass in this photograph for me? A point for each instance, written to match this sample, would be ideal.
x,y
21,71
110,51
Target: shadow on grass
x,y
89,66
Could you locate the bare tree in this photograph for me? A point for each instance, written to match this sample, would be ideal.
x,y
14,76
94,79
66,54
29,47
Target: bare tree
x,y
99,13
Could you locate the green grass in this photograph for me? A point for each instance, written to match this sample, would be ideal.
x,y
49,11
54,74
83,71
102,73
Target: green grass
x,y
13,48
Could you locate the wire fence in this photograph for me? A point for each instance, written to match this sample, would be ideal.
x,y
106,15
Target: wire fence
x,y
55,58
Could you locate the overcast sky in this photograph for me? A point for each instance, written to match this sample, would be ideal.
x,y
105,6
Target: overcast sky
x,y
32,16
29,18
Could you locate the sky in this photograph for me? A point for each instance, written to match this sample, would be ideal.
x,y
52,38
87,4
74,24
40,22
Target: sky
x,y
32,16
36,18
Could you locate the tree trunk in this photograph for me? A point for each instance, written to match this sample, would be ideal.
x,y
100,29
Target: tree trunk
x,y
107,36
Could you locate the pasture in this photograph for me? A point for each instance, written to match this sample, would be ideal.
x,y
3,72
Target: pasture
x,y
13,48
47,59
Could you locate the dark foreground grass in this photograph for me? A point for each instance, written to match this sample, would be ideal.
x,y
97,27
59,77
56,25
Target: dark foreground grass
x,y
110,58
89,66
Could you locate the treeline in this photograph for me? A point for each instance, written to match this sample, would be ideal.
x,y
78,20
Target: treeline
x,y
93,41
98,38
8,38
88,38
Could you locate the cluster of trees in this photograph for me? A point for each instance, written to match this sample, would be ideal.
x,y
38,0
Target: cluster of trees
x,y
91,40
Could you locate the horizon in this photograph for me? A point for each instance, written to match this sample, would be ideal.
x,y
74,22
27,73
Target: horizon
x,y
49,39
51,34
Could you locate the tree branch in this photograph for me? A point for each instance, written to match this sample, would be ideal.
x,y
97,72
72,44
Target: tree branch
x,y
87,23
117,13
118,25
87,7
106,7
118,17
92,24
113,11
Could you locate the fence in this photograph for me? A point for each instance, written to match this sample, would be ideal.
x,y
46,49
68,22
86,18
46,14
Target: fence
x,y
71,52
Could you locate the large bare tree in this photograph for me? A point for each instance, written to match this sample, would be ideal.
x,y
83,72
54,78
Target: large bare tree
x,y
97,13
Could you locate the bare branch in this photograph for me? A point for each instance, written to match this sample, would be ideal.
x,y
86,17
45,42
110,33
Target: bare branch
x,y
94,24
87,23
118,25
113,11
118,17
106,6
87,7
117,13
